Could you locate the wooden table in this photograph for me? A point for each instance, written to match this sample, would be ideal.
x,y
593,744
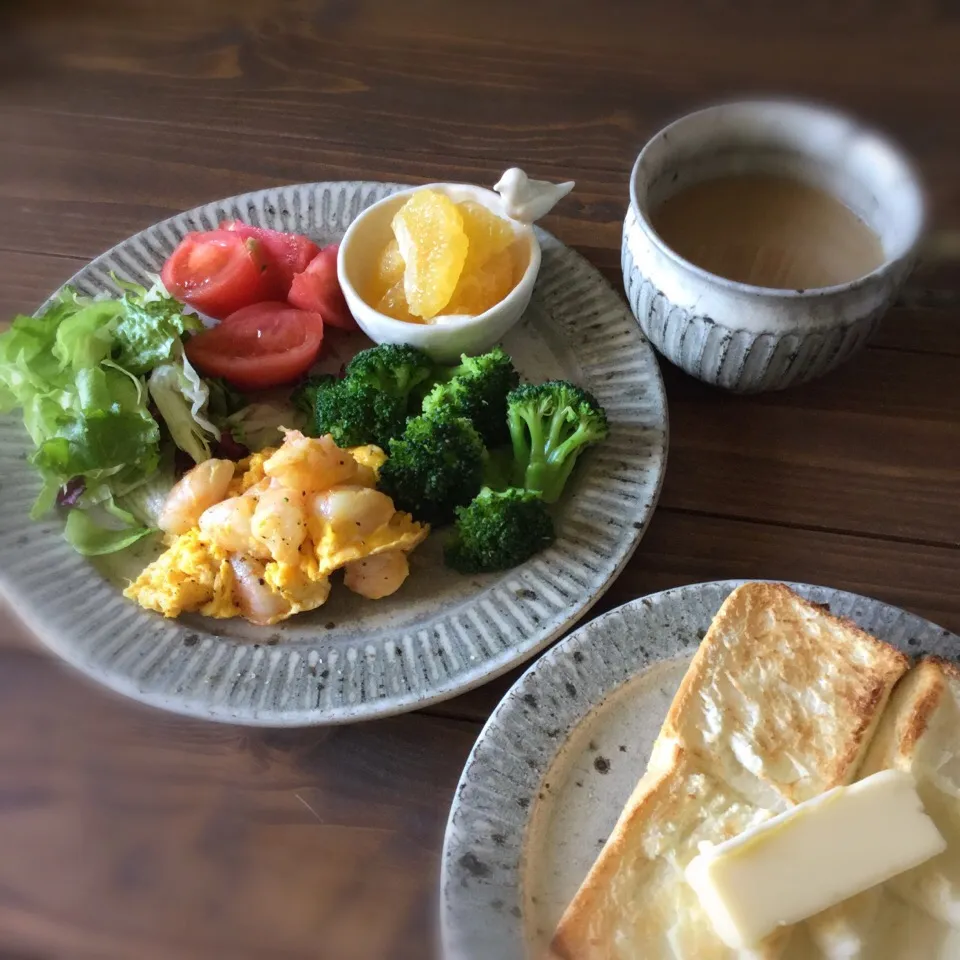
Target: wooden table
x,y
125,833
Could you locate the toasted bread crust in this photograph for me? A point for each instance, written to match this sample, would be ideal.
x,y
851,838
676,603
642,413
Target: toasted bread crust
x,y
769,644
930,688
572,941
920,734
948,667
915,701
678,799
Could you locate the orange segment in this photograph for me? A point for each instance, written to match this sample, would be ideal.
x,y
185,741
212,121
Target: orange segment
x,y
488,286
466,298
387,271
394,304
520,256
389,266
433,244
488,234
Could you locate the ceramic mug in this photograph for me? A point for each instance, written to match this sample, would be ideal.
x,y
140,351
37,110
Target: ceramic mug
x,y
748,338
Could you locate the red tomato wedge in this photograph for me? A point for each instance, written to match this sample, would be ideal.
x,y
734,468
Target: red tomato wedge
x,y
291,251
260,346
219,272
317,289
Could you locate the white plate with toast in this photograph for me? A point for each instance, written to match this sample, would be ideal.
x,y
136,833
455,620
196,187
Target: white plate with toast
x,y
785,699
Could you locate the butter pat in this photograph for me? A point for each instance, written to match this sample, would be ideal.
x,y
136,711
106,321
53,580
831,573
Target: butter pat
x,y
810,858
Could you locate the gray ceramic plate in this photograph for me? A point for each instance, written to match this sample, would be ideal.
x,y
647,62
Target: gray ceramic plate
x,y
352,659
558,758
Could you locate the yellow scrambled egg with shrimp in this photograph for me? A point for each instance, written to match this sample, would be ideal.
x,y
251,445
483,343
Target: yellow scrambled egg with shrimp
x,y
261,541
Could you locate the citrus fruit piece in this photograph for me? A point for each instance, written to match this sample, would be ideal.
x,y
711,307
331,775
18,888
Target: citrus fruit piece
x,y
387,270
433,244
389,266
479,291
394,304
466,298
520,257
488,234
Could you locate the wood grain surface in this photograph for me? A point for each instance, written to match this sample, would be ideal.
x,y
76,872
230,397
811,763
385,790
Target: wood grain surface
x,y
125,833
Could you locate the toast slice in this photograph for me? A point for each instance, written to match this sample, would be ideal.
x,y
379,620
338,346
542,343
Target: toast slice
x,y
920,733
782,699
778,705
636,901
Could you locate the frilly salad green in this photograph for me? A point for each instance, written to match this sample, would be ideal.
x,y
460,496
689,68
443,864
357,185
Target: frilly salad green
x,y
101,382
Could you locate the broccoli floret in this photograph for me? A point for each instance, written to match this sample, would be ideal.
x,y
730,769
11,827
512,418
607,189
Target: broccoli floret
x,y
498,531
304,396
477,389
355,414
397,369
550,425
371,403
435,467
498,468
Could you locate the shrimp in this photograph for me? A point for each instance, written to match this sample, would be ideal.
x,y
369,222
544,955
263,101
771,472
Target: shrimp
x,y
278,522
257,602
377,576
352,512
307,465
227,525
198,489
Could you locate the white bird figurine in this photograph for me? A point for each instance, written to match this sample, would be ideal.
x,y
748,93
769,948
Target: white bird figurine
x,y
527,200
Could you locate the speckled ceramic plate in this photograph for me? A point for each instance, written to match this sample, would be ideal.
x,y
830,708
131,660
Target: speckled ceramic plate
x,y
558,758
442,633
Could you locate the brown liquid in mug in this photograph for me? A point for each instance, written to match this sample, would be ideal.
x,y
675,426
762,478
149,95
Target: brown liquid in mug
x,y
769,231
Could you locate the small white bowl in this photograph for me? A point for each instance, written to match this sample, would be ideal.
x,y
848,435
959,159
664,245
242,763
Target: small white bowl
x,y
747,338
447,339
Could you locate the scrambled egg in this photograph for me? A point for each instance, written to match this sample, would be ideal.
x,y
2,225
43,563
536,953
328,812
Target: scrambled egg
x,y
401,533
371,457
190,575
196,573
